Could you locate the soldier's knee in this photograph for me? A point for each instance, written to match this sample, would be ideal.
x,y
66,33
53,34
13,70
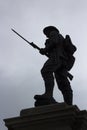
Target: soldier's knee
x,y
47,75
42,72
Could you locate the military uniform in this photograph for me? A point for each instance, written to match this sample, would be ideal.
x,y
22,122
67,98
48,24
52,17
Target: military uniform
x,y
55,65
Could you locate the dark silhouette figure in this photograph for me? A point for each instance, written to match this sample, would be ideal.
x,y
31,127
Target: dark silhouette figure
x,y
60,51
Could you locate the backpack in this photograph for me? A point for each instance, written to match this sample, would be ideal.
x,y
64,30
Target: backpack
x,y
69,49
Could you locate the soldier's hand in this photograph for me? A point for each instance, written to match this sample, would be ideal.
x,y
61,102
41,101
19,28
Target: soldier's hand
x,y
42,51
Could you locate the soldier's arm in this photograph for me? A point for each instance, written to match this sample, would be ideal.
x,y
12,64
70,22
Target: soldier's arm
x,y
51,43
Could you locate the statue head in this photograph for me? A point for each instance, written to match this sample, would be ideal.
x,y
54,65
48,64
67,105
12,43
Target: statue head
x,y
49,29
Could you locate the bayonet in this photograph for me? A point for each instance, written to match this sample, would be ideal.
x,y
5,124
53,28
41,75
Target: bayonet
x,y
30,43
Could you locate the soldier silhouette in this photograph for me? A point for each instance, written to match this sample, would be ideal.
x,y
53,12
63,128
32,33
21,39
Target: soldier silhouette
x,y
60,61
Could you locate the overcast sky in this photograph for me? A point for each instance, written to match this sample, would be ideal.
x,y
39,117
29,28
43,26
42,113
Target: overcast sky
x,y
20,64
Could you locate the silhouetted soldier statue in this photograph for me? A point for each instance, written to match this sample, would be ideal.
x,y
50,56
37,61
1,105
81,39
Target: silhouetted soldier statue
x,y
60,51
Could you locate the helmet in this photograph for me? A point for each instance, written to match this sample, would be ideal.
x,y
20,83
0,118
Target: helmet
x,y
48,29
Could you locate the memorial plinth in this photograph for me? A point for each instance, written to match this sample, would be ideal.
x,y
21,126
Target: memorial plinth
x,y
50,117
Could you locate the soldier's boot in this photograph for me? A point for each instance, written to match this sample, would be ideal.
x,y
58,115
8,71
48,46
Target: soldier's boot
x,y
49,86
47,97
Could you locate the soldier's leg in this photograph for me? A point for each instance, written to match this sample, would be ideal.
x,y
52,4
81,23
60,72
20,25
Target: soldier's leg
x,y
48,80
65,87
47,74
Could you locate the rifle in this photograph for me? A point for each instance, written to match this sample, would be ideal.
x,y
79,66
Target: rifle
x,y
36,47
30,43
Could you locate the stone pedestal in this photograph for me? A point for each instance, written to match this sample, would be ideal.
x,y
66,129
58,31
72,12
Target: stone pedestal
x,y
50,117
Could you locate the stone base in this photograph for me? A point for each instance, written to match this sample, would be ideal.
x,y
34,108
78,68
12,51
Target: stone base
x,y
49,117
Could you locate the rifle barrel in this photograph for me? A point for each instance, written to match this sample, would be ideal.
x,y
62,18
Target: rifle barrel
x,y
31,43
